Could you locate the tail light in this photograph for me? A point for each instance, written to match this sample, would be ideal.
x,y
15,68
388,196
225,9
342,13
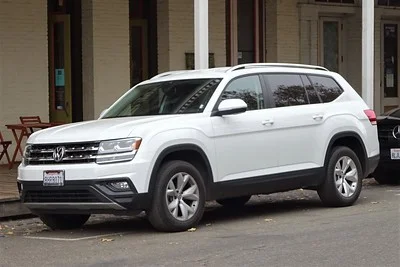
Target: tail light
x,y
371,116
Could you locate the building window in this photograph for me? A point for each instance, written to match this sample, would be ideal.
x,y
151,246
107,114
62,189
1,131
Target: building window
x,y
389,2
336,1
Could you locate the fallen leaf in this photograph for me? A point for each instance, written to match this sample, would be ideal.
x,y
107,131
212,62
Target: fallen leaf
x,y
192,229
268,220
107,239
10,233
208,224
374,202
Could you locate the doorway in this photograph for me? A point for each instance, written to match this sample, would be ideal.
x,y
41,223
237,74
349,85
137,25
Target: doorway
x,y
65,60
60,68
245,31
138,51
390,65
142,40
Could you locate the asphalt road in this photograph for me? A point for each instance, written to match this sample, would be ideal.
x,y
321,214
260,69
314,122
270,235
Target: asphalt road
x,y
287,229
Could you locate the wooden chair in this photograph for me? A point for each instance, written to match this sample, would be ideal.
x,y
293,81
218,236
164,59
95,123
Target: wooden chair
x,y
4,148
30,120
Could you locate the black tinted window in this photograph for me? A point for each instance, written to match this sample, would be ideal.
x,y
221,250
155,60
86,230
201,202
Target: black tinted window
x,y
311,92
326,87
287,90
248,89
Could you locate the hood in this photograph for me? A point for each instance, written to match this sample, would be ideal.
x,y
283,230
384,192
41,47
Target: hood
x,y
95,130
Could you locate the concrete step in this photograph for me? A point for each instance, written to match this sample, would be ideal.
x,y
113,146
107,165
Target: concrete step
x,y
13,208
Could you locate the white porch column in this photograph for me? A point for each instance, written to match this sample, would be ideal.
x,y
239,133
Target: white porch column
x,y
368,52
201,34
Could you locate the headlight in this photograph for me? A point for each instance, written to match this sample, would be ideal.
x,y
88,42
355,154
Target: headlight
x,y
118,150
26,154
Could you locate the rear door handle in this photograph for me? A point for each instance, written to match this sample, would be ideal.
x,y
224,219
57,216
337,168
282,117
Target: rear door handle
x,y
318,117
267,122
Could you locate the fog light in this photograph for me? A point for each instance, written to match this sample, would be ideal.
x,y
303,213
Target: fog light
x,y
120,185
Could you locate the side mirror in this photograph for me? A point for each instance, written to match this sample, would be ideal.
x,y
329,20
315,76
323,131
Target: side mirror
x,y
103,112
231,106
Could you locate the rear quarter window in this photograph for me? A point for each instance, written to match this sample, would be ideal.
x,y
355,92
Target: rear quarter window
x,y
327,88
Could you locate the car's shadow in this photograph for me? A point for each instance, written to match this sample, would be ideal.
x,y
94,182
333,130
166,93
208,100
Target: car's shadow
x,y
214,214
258,206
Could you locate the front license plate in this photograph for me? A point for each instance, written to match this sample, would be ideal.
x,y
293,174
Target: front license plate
x,y
395,153
53,178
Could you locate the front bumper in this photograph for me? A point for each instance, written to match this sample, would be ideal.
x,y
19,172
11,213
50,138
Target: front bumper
x,y
82,197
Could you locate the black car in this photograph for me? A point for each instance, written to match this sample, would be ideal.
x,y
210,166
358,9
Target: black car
x,y
388,170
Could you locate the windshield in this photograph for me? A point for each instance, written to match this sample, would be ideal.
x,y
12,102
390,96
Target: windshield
x,y
163,98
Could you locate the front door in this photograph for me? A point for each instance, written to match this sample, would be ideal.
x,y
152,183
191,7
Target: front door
x,y
245,142
390,65
60,69
330,44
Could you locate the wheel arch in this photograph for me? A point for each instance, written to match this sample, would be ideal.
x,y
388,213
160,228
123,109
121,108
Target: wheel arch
x,y
181,152
353,141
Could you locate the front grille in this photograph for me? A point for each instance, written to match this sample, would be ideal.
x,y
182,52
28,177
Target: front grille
x,y
384,134
73,153
58,196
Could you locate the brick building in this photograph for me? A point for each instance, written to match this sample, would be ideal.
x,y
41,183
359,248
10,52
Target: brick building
x,y
67,60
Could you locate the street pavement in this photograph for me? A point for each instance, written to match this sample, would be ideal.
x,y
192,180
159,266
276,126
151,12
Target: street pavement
x,y
285,229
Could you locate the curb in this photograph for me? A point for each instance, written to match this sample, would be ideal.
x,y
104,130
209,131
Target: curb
x,y
12,209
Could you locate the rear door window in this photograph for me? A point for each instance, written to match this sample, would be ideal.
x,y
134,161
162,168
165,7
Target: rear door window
x,y
328,89
286,89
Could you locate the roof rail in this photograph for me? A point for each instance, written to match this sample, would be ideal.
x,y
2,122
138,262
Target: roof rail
x,y
169,73
173,72
287,65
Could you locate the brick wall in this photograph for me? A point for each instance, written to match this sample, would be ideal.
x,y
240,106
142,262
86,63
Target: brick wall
x,y
178,38
23,61
105,53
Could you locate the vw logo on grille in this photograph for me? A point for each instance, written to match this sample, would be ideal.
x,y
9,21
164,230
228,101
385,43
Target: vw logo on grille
x,y
396,132
58,153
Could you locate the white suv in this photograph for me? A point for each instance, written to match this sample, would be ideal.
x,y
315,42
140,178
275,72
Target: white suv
x,y
182,138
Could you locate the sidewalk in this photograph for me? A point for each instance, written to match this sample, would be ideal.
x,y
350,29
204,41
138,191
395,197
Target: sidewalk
x,y
10,205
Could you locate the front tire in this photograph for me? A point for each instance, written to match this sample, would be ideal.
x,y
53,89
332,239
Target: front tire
x,y
64,221
179,197
343,182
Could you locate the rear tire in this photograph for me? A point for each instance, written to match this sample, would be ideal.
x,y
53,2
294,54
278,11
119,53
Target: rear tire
x,y
64,221
179,197
343,182
233,202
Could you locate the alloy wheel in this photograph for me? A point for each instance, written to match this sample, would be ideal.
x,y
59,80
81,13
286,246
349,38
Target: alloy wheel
x,y
346,176
182,196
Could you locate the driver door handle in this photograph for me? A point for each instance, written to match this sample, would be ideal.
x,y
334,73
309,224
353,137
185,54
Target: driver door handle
x,y
267,122
318,117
